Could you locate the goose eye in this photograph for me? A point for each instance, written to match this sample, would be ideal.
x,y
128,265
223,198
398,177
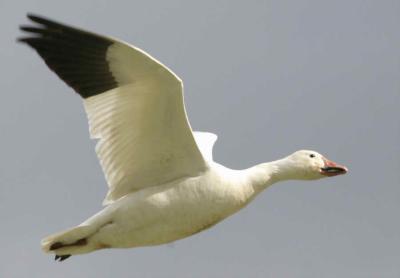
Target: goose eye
x,y
312,155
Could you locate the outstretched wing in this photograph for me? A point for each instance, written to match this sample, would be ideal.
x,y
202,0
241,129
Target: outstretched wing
x,y
134,105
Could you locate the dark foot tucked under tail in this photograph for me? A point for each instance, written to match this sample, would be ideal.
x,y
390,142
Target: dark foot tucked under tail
x,y
61,258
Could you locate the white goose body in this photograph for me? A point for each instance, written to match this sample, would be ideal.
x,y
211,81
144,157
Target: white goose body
x,y
171,211
163,182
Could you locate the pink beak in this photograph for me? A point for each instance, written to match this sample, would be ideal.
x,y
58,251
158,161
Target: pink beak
x,y
331,168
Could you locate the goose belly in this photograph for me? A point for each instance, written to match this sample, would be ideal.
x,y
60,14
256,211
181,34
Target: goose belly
x,y
169,212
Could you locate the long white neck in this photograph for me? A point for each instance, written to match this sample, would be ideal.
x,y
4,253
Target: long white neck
x,y
265,174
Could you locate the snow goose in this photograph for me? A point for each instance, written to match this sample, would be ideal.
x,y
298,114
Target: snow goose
x,y
163,183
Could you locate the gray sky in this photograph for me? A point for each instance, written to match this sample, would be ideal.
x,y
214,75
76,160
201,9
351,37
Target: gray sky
x,y
269,77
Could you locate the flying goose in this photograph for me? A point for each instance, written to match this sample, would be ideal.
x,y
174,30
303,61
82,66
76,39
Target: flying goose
x,y
163,182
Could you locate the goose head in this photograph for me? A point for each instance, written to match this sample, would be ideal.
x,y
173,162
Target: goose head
x,y
310,165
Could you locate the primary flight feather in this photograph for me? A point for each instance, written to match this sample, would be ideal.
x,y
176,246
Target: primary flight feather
x,y
163,182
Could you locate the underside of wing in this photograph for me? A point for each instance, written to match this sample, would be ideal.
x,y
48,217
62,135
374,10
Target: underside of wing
x,y
134,105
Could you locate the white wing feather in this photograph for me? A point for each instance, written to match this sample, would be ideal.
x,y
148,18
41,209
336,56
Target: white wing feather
x,y
145,137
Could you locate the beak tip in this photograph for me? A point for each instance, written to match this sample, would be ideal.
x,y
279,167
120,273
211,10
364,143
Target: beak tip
x,y
340,169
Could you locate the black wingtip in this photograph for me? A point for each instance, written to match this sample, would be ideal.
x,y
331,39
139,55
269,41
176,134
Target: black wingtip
x,y
44,20
26,40
27,28
30,28
35,18
78,57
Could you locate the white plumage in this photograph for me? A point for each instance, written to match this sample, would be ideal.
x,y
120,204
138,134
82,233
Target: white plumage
x,y
144,136
163,182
